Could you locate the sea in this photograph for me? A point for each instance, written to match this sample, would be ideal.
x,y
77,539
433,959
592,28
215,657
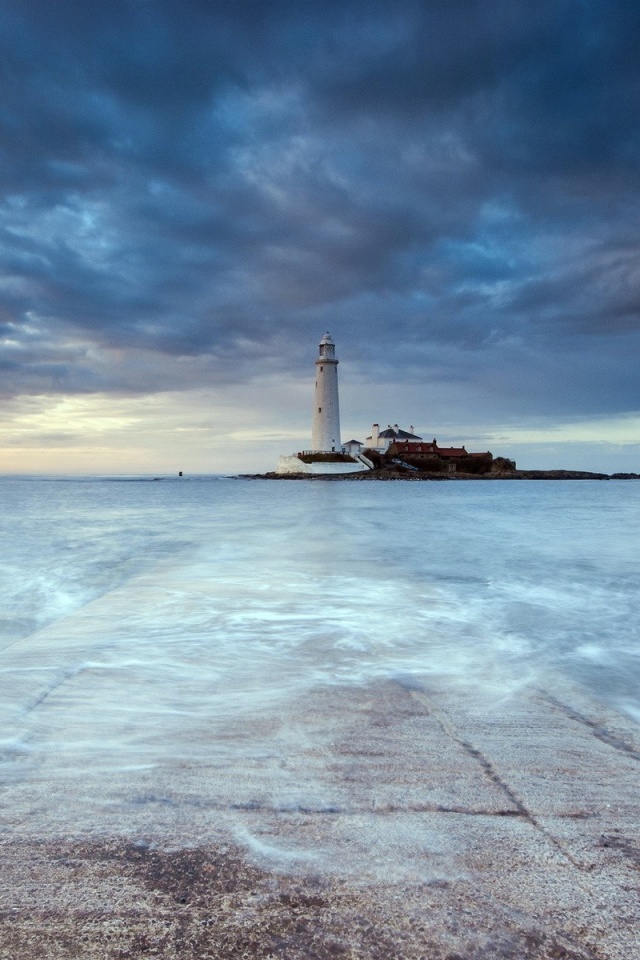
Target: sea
x,y
157,633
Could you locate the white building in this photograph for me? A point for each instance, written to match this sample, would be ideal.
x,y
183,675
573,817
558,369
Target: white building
x,y
352,447
327,455
382,439
325,432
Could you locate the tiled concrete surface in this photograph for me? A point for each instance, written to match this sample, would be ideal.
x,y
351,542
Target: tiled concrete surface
x,y
392,821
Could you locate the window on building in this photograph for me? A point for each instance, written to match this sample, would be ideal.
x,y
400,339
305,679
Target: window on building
x,y
321,369
319,409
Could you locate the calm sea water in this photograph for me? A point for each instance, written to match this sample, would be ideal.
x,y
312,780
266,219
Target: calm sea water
x,y
136,615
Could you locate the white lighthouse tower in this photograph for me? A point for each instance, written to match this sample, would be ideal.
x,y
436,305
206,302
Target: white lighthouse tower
x,y
326,454
325,432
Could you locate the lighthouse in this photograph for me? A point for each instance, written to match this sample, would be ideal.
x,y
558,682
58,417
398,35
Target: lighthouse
x,y
327,455
325,432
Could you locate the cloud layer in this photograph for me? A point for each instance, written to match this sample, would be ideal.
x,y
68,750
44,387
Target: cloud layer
x,y
194,191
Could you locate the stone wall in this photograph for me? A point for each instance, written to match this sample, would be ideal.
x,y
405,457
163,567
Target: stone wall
x,y
293,464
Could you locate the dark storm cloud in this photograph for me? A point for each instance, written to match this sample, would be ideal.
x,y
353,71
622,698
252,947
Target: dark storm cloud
x,y
450,186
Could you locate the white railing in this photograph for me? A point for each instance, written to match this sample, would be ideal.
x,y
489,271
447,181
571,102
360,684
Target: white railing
x,y
307,453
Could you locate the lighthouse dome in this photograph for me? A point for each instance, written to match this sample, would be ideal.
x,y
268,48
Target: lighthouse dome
x,y
327,349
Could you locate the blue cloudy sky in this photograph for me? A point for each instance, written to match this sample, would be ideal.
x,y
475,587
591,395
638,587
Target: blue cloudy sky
x,y
193,192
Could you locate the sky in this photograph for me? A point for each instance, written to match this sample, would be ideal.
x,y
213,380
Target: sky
x,y
194,191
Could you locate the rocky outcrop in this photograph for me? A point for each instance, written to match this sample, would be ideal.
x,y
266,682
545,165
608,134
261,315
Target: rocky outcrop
x,y
406,473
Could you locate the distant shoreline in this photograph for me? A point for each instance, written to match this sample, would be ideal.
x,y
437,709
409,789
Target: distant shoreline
x,y
387,474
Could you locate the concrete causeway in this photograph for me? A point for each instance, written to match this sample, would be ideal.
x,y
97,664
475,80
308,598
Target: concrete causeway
x,y
396,820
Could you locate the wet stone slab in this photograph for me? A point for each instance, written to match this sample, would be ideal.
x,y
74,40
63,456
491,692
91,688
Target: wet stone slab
x,y
110,899
383,821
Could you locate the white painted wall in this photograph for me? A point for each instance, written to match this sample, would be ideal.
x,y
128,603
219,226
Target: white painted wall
x,y
294,465
325,430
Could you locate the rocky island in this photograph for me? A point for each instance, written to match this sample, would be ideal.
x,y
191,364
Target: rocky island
x,y
390,468
393,453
